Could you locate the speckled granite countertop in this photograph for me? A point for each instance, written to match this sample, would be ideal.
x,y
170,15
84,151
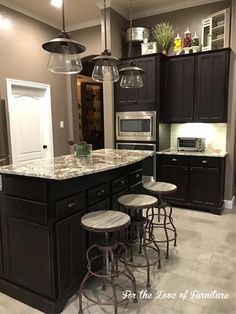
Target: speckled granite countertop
x,y
67,167
210,153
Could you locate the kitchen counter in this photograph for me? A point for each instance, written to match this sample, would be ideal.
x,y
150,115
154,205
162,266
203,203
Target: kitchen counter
x,y
207,153
68,167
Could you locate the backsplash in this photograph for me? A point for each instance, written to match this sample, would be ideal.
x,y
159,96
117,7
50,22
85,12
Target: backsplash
x,y
214,134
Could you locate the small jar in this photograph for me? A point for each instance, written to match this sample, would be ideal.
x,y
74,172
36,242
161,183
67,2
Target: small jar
x,y
195,40
187,38
177,44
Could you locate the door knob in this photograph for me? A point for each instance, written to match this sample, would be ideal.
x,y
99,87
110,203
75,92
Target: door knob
x,y
45,146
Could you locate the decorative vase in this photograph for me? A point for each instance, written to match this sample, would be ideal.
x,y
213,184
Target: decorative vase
x,y
187,38
177,44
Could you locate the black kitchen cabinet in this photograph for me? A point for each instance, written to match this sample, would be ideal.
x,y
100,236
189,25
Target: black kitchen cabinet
x,y
179,92
196,87
1,253
211,87
71,250
139,96
199,180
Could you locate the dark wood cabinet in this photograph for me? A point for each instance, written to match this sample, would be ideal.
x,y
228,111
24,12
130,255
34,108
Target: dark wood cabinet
x,y
196,87
179,92
139,96
212,87
42,243
199,180
71,253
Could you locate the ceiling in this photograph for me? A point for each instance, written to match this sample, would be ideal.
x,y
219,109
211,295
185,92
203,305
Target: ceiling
x,y
86,13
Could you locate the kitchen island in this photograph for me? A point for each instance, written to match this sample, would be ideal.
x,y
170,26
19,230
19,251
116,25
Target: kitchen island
x,y
42,247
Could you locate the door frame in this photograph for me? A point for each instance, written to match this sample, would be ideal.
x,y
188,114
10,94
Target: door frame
x,y
48,113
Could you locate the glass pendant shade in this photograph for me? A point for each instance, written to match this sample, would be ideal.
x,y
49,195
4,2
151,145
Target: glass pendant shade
x,y
131,76
105,68
64,63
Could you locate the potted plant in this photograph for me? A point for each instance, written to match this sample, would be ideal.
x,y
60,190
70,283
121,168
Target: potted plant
x,y
163,33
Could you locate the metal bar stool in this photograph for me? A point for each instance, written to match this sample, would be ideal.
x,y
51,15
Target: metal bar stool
x,y
105,222
158,189
141,230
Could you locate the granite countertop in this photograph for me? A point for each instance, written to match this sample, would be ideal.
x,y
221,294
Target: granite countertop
x,y
207,153
69,166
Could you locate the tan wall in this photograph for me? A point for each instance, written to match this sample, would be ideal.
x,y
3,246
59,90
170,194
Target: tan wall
x,y
231,125
23,58
89,37
180,19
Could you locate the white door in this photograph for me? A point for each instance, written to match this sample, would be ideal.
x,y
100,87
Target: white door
x,y
29,106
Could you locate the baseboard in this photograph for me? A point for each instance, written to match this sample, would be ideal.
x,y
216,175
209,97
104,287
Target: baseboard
x,y
229,204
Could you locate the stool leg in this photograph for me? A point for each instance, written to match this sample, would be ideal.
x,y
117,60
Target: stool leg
x,y
147,258
152,237
113,281
104,267
172,224
166,233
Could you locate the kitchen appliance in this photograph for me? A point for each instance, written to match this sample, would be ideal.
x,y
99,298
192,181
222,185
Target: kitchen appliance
x,y
136,126
190,144
4,151
148,164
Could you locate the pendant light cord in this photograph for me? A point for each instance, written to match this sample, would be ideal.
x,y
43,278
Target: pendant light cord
x,y
105,24
63,17
130,26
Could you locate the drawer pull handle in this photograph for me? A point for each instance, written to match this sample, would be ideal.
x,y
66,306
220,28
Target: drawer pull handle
x,y
174,159
100,192
122,182
137,176
204,162
72,204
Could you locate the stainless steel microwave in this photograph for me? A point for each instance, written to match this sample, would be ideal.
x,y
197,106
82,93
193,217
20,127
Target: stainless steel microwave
x,y
136,126
191,144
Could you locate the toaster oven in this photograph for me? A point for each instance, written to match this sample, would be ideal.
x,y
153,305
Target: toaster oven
x,y
191,144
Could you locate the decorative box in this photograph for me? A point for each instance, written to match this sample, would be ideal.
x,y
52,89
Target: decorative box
x,y
147,48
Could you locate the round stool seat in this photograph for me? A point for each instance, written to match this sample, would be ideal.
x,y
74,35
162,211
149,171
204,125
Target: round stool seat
x,y
105,221
138,201
160,187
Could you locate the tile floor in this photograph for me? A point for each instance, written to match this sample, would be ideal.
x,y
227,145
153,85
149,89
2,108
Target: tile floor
x,y
204,261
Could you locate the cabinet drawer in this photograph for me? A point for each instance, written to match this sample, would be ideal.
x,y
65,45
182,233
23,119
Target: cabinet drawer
x,y
135,177
25,188
119,184
24,209
70,205
175,160
103,205
212,162
98,193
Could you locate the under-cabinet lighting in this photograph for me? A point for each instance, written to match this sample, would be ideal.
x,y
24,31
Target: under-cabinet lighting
x,y
56,3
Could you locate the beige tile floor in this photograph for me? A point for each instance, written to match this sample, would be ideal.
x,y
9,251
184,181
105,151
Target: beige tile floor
x,y
204,260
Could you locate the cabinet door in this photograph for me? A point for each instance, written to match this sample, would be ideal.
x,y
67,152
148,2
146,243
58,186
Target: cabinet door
x,y
177,175
204,186
212,87
1,256
147,93
71,254
28,257
180,89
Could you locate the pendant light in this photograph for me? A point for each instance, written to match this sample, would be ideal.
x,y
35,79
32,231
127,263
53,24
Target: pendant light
x,y
131,74
64,52
105,68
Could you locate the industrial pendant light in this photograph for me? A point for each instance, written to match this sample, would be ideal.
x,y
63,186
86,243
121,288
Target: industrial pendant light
x,y
105,68
64,52
131,74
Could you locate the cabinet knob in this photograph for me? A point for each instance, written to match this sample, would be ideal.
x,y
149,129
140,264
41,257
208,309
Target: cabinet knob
x,y
137,176
72,204
174,159
122,182
100,192
45,146
204,162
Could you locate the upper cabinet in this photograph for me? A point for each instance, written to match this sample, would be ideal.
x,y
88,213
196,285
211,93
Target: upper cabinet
x,y
211,87
145,95
197,87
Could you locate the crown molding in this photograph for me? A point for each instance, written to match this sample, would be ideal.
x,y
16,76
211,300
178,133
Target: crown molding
x,y
31,14
82,25
182,4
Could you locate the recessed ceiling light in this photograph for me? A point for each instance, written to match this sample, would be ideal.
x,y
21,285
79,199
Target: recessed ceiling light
x,y
56,3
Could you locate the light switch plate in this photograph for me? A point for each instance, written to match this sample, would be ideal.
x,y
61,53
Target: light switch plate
x,y
62,124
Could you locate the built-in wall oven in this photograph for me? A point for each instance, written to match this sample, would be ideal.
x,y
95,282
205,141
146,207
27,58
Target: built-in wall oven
x,y
136,126
148,164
